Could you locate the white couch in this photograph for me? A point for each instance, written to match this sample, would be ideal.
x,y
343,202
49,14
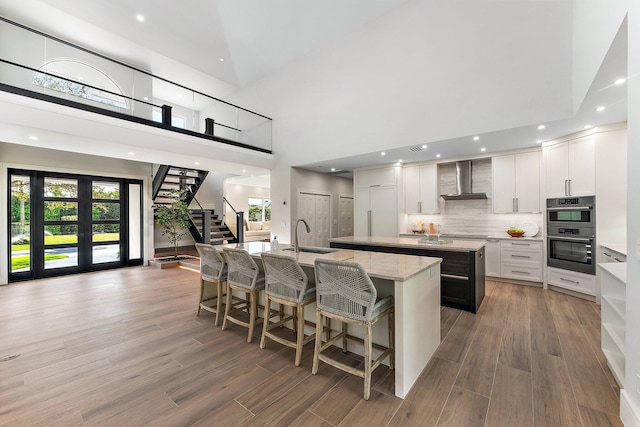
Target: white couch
x,y
257,230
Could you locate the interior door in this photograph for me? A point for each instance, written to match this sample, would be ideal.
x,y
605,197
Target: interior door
x,y
316,210
345,216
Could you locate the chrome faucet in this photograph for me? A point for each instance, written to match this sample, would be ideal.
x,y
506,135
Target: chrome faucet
x,y
296,246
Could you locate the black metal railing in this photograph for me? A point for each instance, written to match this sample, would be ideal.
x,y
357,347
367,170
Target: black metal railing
x,y
233,219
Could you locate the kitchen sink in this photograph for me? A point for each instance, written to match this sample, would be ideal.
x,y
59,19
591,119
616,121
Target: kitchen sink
x,y
313,250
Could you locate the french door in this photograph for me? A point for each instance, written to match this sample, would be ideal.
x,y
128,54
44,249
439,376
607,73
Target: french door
x,y
65,224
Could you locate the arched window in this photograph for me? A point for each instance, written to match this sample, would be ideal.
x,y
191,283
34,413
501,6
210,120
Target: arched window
x,y
76,78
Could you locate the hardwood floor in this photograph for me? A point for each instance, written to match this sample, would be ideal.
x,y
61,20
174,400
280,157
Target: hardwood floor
x,y
124,347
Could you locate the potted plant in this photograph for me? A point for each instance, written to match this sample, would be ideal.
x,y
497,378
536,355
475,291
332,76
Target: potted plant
x,y
173,218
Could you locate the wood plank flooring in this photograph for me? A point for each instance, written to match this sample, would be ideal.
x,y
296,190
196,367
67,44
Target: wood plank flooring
x,y
124,348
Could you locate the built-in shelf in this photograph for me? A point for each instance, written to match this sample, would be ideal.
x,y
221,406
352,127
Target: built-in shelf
x,y
613,283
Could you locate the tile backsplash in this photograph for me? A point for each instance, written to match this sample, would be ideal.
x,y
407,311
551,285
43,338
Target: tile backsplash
x,y
471,216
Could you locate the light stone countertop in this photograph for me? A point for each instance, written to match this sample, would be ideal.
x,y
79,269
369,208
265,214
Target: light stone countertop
x,y
616,269
379,265
463,236
412,242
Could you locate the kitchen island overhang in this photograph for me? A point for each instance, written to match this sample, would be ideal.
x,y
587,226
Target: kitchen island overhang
x,y
414,283
462,269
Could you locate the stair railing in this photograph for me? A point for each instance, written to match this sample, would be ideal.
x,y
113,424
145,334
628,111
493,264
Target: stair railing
x,y
233,219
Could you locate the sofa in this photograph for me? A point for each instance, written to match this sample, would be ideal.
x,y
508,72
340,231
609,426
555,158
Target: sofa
x,y
256,230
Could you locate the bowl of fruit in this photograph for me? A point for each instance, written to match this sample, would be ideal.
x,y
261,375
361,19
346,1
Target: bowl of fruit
x,y
515,232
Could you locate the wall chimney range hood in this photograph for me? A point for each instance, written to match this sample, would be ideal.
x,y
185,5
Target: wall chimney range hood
x,y
463,184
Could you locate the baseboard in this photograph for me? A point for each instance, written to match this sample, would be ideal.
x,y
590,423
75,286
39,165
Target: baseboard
x,y
629,411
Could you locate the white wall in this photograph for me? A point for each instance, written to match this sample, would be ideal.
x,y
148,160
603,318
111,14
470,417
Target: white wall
x,y
304,180
238,195
387,85
630,397
25,157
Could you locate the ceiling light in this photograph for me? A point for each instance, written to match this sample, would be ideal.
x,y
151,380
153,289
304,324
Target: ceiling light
x,y
424,146
140,17
620,81
221,59
80,78
333,169
539,141
400,161
244,170
146,98
383,153
475,138
131,153
196,163
483,149
33,138
600,108
587,127
438,155
540,127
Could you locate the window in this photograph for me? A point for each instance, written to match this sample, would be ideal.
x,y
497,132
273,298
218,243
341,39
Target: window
x,y
259,209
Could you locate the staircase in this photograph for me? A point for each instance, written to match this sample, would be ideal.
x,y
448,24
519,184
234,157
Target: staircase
x,y
205,226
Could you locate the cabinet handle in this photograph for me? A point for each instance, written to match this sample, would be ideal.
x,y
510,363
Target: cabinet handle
x,y
566,189
570,281
520,244
606,254
420,207
568,194
517,205
619,260
520,272
369,223
520,256
513,204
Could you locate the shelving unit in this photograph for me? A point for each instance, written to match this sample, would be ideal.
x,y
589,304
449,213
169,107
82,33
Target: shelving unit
x,y
613,282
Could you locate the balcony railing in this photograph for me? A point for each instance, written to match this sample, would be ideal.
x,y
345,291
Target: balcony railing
x,y
40,66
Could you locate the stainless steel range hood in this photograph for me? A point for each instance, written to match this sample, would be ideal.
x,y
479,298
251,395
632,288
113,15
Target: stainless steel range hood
x,y
463,184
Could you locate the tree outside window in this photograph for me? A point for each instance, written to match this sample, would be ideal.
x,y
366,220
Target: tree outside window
x,y
259,209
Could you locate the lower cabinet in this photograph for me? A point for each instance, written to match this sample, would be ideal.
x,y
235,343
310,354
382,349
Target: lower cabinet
x,y
613,281
521,260
572,280
492,257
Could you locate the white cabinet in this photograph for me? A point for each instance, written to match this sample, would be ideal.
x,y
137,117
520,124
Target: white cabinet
x,y
492,258
376,202
572,280
421,189
570,168
521,260
516,183
613,315
376,211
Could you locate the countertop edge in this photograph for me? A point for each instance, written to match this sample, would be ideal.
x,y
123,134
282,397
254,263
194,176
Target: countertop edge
x,y
616,269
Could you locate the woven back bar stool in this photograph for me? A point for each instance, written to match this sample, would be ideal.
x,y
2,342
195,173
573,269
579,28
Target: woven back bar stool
x,y
288,285
213,269
243,275
346,293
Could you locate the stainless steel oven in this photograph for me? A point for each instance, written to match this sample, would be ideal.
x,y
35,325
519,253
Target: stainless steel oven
x,y
571,234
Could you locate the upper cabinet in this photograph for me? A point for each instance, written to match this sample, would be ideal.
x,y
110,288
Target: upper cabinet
x,y
570,168
421,189
372,177
516,183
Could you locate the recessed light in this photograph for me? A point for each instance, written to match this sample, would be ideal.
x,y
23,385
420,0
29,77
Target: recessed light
x,y
483,149
244,170
400,161
383,154
540,127
601,108
539,141
196,163
438,155
424,146
475,138
620,81
146,98
131,153
33,138
333,169
221,59
587,127
80,78
140,17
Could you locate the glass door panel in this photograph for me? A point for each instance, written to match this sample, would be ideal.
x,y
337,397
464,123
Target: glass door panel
x,y
61,225
106,215
20,223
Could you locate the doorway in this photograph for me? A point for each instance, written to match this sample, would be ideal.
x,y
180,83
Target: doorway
x,y
316,210
65,223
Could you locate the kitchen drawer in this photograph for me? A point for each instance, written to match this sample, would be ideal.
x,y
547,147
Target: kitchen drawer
x,y
579,282
522,272
521,257
609,255
522,245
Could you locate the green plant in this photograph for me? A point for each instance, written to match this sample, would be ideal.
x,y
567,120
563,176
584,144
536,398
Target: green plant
x,y
173,218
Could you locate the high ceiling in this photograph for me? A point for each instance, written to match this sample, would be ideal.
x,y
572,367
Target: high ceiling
x,y
222,46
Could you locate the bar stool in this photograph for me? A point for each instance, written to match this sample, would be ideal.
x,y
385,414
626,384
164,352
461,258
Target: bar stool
x,y
244,275
212,269
346,293
288,285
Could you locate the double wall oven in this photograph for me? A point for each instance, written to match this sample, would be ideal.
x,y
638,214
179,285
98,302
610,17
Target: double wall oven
x,y
571,233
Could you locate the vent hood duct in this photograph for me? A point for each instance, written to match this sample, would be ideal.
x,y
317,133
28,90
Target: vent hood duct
x,y
463,184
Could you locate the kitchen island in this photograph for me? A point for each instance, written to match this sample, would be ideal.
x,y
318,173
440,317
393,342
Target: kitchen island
x,y
463,264
414,283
